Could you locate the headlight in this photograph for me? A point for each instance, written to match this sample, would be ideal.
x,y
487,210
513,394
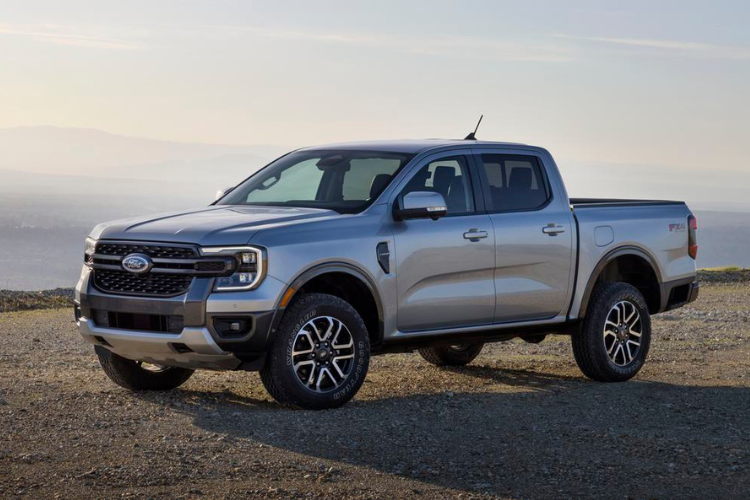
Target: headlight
x,y
250,271
88,250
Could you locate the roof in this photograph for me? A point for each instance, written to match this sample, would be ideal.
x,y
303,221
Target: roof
x,y
410,146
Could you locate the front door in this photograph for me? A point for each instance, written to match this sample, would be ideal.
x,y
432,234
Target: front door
x,y
533,237
445,268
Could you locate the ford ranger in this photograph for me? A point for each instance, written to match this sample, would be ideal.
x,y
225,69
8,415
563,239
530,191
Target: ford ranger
x,y
332,254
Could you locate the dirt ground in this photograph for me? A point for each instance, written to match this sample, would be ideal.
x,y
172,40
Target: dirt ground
x,y
520,422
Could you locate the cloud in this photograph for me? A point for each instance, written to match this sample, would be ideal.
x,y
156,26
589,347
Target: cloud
x,y
696,49
67,35
474,47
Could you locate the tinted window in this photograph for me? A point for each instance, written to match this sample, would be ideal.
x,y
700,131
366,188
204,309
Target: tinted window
x,y
449,177
346,181
515,182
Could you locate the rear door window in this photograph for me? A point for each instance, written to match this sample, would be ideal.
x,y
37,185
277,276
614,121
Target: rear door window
x,y
515,182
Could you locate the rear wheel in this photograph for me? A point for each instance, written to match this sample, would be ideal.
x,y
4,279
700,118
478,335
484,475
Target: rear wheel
x,y
615,336
140,376
452,355
320,357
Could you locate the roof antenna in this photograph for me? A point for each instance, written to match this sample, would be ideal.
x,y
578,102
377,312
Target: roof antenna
x,y
472,136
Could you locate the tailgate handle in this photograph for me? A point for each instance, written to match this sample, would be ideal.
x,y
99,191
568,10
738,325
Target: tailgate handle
x,y
553,229
475,234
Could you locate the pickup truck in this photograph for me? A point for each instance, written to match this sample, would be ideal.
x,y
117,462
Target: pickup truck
x,y
331,254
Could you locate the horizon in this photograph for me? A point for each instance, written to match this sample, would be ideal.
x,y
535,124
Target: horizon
x,y
151,107
587,81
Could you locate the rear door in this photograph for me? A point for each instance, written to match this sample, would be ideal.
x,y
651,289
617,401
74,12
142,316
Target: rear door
x,y
445,268
533,235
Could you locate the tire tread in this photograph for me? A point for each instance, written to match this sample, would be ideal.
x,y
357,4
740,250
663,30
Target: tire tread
x,y
592,360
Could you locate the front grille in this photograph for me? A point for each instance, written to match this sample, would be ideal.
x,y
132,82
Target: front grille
x,y
153,251
140,322
123,282
173,271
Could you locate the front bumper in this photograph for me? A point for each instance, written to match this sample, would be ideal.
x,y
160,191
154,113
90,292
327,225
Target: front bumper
x,y
193,348
198,345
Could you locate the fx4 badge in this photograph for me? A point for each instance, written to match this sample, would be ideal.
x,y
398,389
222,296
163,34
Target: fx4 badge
x,y
677,227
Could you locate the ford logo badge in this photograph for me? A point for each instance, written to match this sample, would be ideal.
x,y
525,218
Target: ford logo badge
x,y
137,263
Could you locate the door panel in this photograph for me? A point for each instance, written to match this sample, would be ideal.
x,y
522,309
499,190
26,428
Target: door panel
x,y
444,280
445,268
533,237
532,268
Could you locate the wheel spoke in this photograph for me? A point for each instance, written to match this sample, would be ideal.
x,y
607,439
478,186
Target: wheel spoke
x,y
621,326
311,377
634,313
349,345
310,342
324,372
331,324
332,338
612,347
335,364
626,349
314,327
307,362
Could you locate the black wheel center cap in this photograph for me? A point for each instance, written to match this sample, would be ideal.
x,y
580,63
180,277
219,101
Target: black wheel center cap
x,y
323,354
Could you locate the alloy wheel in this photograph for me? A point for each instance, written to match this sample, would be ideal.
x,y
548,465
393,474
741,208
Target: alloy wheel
x,y
323,354
622,333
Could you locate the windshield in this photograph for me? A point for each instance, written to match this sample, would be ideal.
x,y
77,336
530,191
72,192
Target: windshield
x,y
344,181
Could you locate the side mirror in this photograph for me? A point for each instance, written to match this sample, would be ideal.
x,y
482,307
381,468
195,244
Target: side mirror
x,y
223,192
421,205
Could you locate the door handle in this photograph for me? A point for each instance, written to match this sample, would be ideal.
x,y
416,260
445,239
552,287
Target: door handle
x,y
553,229
475,234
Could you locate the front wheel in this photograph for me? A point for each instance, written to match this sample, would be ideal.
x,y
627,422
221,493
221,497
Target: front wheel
x,y
139,376
320,357
616,334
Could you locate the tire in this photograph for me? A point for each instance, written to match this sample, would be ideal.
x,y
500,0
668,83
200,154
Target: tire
x,y
133,376
595,346
313,365
453,355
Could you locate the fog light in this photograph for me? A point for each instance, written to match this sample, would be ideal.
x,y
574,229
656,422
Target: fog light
x,y
232,327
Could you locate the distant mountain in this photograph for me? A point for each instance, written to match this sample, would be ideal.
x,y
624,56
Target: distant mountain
x,y
92,152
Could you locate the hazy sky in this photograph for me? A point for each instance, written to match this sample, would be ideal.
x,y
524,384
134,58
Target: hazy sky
x,y
637,82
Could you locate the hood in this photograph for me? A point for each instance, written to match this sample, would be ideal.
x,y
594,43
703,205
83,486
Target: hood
x,y
215,225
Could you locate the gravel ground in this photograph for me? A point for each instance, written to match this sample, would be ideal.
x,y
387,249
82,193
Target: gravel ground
x,y
520,422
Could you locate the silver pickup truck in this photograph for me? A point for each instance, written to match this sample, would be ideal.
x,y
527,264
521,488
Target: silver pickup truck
x,y
330,254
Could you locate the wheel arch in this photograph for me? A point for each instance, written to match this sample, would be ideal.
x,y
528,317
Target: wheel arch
x,y
632,265
343,280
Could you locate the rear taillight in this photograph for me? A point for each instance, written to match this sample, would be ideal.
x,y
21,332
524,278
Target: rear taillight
x,y
692,236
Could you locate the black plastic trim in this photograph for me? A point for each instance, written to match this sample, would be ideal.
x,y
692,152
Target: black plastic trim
x,y
692,293
333,267
579,203
255,340
609,257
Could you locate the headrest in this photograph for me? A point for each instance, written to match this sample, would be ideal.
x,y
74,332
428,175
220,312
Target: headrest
x,y
379,182
443,177
520,179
